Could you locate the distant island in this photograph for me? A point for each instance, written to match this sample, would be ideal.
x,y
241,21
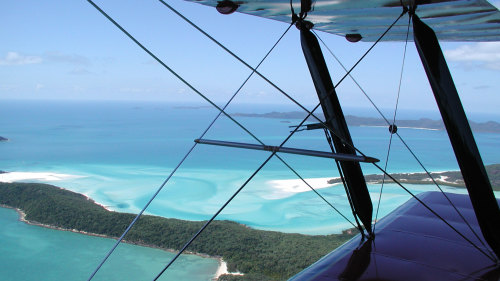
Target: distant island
x,y
422,123
451,178
192,107
260,255
3,139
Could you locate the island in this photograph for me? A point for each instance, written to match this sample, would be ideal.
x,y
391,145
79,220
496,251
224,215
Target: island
x,y
451,178
422,123
258,254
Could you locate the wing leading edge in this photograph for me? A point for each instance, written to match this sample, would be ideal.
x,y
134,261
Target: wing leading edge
x,y
456,20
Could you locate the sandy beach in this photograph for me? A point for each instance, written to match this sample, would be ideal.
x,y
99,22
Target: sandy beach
x,y
297,185
35,176
223,270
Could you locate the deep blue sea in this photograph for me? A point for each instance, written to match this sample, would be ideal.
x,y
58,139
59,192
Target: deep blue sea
x,y
119,153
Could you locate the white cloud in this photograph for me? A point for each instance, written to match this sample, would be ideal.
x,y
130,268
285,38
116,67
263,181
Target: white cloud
x,y
67,58
39,86
14,58
484,54
135,90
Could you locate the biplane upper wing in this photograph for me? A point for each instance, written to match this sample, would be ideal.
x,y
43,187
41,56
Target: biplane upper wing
x,y
455,20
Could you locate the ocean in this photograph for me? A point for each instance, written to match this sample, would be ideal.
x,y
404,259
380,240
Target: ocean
x,y
38,253
119,153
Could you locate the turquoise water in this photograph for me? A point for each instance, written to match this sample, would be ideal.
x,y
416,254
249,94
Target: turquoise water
x,y
121,152
36,253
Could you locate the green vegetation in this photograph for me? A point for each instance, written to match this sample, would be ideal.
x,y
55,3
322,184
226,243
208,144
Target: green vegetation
x,y
494,175
452,178
261,255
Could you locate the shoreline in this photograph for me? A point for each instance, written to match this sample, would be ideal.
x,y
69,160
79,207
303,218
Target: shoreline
x,y
10,177
298,186
447,178
419,123
221,269
278,187
45,177
401,127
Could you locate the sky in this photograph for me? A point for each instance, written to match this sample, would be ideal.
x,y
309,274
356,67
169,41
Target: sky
x,y
66,50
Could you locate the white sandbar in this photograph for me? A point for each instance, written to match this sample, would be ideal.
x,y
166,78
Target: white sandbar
x,y
223,270
297,185
36,176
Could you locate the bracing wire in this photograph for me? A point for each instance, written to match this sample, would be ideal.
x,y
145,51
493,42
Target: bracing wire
x,y
214,216
246,64
350,76
182,160
254,70
349,197
348,194
221,111
433,212
260,167
393,122
444,194
404,143
348,73
310,113
318,194
229,200
416,198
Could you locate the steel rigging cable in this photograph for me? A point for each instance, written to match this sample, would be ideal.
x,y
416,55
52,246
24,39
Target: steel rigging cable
x,y
221,111
403,141
392,127
232,197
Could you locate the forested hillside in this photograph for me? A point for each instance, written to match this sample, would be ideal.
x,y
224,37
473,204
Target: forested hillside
x,y
261,255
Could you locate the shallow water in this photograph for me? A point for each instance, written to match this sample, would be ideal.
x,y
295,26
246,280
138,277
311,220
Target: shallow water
x,y
122,152
36,253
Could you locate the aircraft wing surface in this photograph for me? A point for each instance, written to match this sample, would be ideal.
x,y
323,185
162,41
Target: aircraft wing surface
x,y
452,20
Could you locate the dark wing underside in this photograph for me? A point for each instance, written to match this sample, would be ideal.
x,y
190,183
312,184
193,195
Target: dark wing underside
x,y
456,20
412,244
